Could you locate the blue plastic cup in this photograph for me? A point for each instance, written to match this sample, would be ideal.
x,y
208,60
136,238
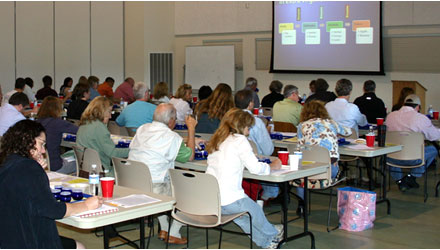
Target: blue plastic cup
x,y
65,196
56,193
77,194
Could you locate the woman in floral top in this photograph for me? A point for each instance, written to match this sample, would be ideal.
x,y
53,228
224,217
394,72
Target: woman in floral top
x,y
317,128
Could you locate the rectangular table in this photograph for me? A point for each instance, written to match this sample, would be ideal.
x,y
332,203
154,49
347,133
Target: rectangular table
x,y
124,214
365,153
304,172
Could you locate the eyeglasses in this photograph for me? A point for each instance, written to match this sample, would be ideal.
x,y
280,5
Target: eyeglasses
x,y
43,143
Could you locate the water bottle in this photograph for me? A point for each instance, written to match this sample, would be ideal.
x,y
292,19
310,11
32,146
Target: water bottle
x,y
298,152
260,111
430,111
371,131
94,180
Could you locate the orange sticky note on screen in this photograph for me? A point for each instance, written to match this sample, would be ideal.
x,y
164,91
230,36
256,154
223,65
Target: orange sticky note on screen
x,y
360,24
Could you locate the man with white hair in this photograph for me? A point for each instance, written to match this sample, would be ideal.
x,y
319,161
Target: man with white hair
x,y
251,83
156,145
140,111
408,118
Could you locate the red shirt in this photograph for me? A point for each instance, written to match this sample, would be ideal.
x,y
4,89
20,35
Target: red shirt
x,y
125,91
105,89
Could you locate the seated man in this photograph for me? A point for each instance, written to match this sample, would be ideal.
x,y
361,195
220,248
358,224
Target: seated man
x,y
369,104
343,112
258,134
125,91
106,88
140,111
288,110
321,92
274,96
20,86
156,145
12,112
408,118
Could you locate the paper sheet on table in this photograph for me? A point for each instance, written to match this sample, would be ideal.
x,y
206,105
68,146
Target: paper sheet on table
x,y
288,134
358,146
134,200
54,175
284,169
293,139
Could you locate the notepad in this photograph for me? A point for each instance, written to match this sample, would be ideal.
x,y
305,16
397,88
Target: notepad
x,y
104,209
134,200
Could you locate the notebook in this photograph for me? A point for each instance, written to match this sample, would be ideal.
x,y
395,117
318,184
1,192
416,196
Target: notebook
x,y
104,209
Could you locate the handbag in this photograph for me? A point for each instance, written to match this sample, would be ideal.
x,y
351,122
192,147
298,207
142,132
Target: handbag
x,y
356,209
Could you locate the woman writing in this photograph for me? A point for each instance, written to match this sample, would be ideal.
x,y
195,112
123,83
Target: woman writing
x,y
93,133
317,128
28,209
229,153
49,116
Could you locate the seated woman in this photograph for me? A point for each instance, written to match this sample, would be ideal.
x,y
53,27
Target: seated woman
x,y
93,133
317,128
181,101
28,219
49,116
81,95
210,111
66,87
229,153
160,93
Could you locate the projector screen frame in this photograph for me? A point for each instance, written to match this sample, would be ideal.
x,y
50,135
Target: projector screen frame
x,y
340,72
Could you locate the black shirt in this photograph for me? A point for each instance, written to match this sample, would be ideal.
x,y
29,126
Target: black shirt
x,y
28,209
371,106
46,91
270,99
325,96
76,108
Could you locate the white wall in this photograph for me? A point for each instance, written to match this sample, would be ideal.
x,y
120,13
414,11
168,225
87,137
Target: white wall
x,y
401,19
7,46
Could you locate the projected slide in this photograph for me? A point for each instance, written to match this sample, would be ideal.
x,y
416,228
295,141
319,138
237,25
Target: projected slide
x,y
327,37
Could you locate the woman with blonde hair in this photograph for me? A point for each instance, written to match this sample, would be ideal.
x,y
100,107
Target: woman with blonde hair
x,y
93,133
49,116
317,128
160,93
181,101
229,153
210,111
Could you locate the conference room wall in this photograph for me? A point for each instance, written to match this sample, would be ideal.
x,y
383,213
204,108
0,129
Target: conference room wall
x,y
401,20
61,39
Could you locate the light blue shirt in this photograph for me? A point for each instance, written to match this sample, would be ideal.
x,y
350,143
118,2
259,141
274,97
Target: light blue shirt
x,y
259,134
93,93
346,114
136,114
9,115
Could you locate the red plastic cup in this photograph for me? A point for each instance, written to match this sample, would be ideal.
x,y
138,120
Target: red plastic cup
x,y
435,115
151,96
31,105
284,157
256,110
194,99
379,121
107,184
39,104
370,140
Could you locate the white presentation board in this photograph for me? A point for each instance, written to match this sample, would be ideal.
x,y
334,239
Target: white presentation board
x,y
209,65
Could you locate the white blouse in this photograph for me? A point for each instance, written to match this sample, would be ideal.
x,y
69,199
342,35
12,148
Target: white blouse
x,y
182,108
227,165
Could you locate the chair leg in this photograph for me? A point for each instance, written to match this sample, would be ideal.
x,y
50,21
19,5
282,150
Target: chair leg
x,y
436,188
426,186
250,227
220,240
207,243
168,238
329,212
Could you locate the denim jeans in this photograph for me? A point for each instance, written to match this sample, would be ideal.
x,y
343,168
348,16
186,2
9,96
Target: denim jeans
x,y
335,169
396,173
262,231
270,190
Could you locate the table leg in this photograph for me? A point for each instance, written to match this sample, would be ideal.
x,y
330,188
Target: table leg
x,y
306,217
107,230
142,233
384,185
